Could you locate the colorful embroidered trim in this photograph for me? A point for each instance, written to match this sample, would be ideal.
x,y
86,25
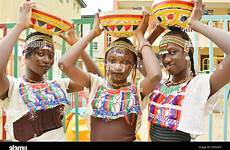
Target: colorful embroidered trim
x,y
40,41
172,39
42,96
40,37
165,105
122,46
115,103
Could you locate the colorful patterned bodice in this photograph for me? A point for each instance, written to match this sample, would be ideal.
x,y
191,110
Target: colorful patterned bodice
x,y
165,105
42,96
115,103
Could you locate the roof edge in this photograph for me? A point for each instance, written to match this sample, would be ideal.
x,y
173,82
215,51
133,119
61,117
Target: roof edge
x,y
82,3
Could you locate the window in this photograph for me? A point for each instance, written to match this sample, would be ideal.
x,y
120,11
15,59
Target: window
x,y
204,62
208,12
109,39
228,25
218,24
95,45
137,8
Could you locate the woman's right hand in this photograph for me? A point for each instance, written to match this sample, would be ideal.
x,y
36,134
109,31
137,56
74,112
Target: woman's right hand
x,y
25,13
97,30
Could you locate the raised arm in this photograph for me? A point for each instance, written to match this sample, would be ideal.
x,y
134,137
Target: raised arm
x,y
71,39
68,61
221,75
91,66
7,44
154,34
150,61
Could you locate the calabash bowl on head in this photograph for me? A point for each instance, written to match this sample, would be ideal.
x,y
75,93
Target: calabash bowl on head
x,y
172,13
48,23
121,23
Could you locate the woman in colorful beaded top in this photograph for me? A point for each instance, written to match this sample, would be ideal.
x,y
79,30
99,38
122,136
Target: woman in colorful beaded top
x,y
34,106
114,108
178,107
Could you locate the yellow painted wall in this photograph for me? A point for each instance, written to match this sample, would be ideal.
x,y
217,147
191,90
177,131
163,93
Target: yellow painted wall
x,y
220,11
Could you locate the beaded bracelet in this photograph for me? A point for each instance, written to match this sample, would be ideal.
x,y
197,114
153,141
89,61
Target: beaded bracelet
x,y
146,43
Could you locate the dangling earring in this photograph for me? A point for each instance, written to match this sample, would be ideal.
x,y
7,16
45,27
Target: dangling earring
x,y
191,74
161,63
187,58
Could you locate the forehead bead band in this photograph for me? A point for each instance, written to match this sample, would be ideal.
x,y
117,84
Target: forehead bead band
x,y
175,40
38,41
122,46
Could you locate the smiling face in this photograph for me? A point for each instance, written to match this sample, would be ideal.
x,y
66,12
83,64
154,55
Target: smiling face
x,y
173,56
39,54
119,63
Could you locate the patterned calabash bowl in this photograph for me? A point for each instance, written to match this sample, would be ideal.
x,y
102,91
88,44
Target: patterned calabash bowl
x,y
47,23
172,13
121,23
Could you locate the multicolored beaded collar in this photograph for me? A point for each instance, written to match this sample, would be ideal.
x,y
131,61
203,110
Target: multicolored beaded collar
x,y
165,105
42,95
111,104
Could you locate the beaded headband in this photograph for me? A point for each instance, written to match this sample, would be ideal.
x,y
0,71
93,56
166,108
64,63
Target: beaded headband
x,y
122,45
38,41
175,40
40,37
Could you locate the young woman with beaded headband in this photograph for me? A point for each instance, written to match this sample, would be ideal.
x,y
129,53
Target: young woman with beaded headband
x,y
178,107
114,108
34,106
122,44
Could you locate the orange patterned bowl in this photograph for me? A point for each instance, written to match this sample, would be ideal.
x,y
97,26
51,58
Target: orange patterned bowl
x,y
47,23
172,13
121,23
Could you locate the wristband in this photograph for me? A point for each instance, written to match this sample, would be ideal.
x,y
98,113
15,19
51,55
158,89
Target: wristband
x,y
146,43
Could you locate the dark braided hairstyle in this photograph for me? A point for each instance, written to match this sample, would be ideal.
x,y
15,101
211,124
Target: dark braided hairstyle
x,y
134,56
184,35
29,50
